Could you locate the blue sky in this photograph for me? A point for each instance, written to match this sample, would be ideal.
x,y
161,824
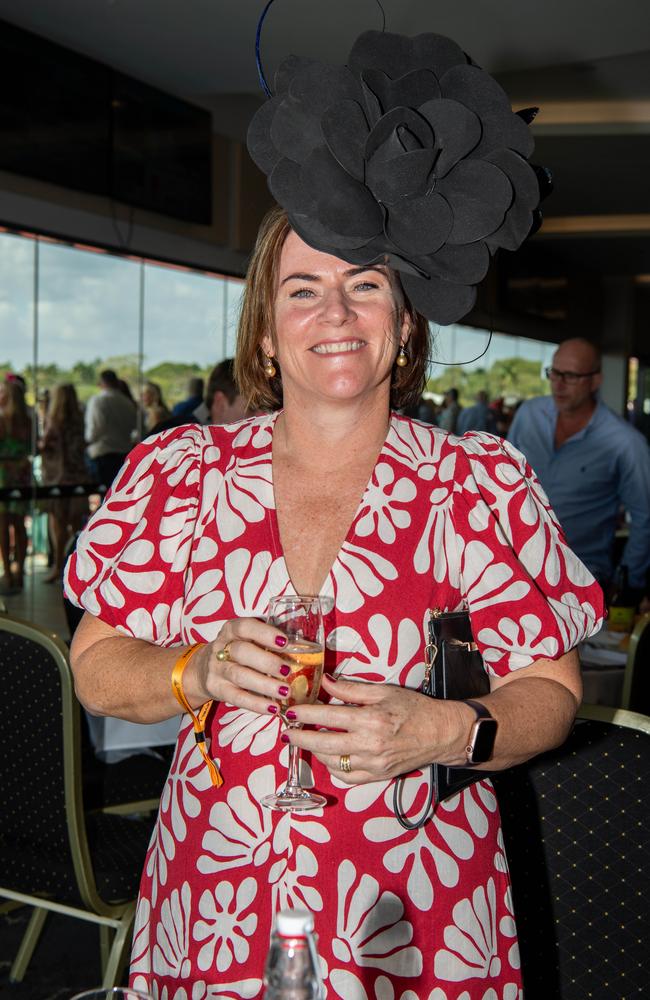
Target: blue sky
x,y
89,307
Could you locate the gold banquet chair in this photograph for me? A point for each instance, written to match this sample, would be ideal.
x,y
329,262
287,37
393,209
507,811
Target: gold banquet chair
x,y
636,679
55,856
577,841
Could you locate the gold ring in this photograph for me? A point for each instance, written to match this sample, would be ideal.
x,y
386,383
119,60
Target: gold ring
x,y
224,654
344,763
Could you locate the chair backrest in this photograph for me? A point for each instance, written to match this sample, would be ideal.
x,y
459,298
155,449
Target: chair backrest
x,y
636,681
577,841
42,827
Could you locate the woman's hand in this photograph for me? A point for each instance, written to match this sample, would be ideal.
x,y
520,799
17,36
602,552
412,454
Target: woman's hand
x,y
252,677
387,730
384,729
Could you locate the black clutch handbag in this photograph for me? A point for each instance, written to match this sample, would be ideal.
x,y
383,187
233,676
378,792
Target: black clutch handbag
x,y
453,669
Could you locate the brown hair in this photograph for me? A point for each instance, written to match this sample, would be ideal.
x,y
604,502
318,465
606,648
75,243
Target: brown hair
x,y
15,415
221,379
63,410
257,319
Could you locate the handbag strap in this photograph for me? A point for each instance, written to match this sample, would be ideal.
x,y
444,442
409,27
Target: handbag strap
x,y
430,653
427,812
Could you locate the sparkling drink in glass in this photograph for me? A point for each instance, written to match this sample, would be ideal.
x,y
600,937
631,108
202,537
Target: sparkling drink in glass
x,y
301,619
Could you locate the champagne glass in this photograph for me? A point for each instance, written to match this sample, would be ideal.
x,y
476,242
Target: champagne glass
x,y
301,619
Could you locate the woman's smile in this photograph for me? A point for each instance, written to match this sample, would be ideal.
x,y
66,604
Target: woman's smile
x,y
338,347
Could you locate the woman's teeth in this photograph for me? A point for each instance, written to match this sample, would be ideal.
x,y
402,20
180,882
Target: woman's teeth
x,y
347,345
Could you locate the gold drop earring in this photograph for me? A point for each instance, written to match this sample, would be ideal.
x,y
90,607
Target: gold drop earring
x,y
402,358
269,367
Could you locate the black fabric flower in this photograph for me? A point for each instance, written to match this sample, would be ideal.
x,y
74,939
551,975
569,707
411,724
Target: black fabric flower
x,y
410,154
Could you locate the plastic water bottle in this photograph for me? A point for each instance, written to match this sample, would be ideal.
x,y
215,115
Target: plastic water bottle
x,y
292,970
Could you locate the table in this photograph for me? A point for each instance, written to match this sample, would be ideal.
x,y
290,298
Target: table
x,y
603,668
114,739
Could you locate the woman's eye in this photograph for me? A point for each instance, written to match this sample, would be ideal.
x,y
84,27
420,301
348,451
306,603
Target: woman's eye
x,y
302,293
364,286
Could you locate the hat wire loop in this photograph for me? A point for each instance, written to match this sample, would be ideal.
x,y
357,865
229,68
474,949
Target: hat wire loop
x,y
258,37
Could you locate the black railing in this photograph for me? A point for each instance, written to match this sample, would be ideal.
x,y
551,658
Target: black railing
x,y
36,492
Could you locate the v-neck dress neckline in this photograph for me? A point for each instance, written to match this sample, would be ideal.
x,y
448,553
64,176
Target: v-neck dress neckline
x,y
326,589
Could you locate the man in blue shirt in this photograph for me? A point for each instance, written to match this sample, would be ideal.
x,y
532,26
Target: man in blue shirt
x,y
590,463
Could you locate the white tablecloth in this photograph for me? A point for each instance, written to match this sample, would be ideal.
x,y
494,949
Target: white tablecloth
x,y
603,668
113,736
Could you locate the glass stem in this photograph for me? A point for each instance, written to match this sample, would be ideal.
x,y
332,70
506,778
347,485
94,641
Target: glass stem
x,y
293,786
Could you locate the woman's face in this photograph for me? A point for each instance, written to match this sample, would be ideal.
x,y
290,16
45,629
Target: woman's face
x,y
337,328
148,396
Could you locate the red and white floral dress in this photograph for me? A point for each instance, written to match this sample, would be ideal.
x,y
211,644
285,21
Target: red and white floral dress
x,y
188,538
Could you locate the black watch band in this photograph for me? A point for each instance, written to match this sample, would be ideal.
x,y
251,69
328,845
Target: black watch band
x,y
480,745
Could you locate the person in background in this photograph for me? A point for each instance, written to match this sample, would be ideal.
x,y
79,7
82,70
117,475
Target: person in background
x,y
448,417
500,418
42,405
15,470
153,405
15,379
589,461
62,457
426,411
478,417
194,398
110,422
223,400
223,403
125,389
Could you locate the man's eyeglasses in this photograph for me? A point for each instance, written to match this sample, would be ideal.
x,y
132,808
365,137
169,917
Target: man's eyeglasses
x,y
569,377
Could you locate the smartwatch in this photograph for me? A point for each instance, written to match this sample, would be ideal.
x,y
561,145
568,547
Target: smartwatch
x,y
480,745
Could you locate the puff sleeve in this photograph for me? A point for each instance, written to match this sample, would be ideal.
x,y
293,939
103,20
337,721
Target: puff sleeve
x,y
131,560
529,596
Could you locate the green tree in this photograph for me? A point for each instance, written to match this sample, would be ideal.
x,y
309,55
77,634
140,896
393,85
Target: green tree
x,y
505,377
125,366
86,371
172,378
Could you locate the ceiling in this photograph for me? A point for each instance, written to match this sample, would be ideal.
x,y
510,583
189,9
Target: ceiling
x,y
204,48
587,62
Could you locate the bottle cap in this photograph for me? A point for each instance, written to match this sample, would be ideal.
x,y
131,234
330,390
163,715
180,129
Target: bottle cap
x,y
294,923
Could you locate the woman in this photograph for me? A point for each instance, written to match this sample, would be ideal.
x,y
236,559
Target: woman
x,y
204,525
15,470
62,455
153,405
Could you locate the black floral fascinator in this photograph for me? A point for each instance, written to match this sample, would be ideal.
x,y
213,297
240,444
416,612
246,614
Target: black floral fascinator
x,y
409,155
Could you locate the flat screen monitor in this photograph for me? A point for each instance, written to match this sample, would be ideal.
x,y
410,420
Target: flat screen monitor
x,y
70,120
161,151
54,112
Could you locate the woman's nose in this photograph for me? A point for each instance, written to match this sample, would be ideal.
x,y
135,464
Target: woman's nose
x,y
337,307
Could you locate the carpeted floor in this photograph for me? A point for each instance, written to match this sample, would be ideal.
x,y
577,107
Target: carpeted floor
x,y
65,962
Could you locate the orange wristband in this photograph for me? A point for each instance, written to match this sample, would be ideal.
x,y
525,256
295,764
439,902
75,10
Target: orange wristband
x,y
199,720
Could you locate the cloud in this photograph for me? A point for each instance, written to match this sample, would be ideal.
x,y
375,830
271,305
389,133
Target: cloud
x,y
89,307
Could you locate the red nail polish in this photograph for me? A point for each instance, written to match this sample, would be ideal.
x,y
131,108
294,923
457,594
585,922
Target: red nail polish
x,y
272,709
291,715
285,737
283,691
280,640
285,670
